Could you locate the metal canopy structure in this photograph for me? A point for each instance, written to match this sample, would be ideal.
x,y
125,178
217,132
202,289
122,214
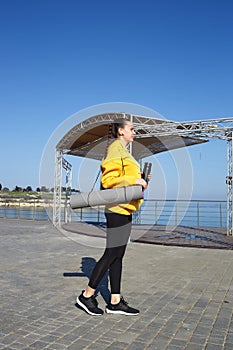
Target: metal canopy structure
x,y
88,139
153,135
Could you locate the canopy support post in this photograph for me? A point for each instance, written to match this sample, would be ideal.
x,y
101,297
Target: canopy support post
x,y
57,188
68,168
229,185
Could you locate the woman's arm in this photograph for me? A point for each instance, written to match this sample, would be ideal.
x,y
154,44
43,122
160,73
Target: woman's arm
x,y
112,175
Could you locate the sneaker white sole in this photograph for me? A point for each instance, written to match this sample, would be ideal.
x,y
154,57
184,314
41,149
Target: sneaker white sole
x,y
120,312
86,309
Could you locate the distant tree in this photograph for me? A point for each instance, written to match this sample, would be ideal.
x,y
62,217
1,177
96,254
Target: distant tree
x,y
28,189
0,187
18,189
38,189
5,189
74,190
44,189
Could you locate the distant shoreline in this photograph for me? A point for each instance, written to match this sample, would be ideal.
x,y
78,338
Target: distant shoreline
x,y
29,200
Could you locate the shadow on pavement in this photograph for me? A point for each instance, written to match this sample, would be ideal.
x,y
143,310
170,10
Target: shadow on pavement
x,y
87,266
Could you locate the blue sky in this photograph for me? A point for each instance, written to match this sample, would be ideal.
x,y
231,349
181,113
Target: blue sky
x,y
59,57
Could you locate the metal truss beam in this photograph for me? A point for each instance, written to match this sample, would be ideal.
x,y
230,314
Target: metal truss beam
x,y
212,128
61,163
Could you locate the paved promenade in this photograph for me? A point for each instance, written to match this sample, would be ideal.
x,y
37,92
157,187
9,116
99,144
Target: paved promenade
x,y
185,295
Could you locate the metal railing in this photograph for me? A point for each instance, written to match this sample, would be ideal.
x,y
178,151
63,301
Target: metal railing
x,y
185,213
169,212
153,212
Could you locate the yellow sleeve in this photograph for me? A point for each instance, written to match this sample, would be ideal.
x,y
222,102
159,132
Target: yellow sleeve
x,y
113,176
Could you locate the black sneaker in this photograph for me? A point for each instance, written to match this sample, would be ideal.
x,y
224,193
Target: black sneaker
x,y
121,308
90,305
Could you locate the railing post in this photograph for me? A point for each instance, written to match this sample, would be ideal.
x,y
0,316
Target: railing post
x,y
5,210
220,214
198,214
19,210
98,216
156,213
34,210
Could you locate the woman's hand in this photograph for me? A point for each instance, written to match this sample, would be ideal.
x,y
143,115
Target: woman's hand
x,y
142,182
149,177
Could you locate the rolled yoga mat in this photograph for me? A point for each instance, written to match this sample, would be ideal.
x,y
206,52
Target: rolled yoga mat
x,y
106,197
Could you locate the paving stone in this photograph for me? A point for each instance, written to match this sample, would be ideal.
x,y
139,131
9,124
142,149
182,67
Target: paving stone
x,y
156,346
38,345
215,340
9,339
64,329
78,344
194,346
49,338
136,345
29,339
202,330
68,339
127,336
57,346
211,346
146,336
117,345
178,343
160,341
16,346
197,339
230,337
97,346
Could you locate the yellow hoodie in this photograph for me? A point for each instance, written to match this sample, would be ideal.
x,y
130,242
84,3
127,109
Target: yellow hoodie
x,y
120,169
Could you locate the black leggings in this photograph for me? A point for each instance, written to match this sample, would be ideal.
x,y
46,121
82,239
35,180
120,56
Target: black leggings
x,y
118,232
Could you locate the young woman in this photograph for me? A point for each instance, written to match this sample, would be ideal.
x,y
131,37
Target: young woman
x,y
119,169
